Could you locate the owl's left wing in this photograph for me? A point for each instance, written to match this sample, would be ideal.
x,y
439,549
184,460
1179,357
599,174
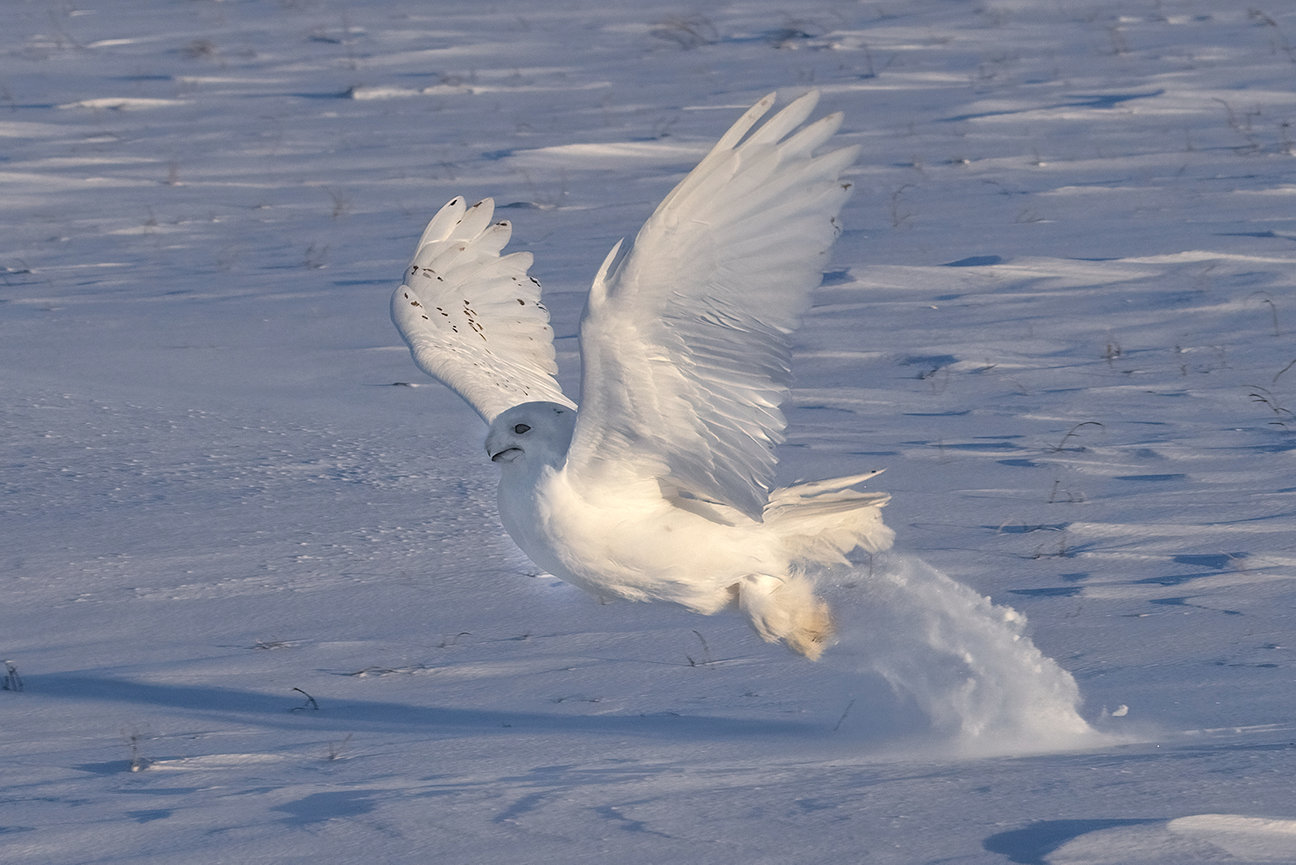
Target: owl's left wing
x,y
686,339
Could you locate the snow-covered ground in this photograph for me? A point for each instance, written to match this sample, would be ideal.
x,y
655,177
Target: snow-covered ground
x,y
257,606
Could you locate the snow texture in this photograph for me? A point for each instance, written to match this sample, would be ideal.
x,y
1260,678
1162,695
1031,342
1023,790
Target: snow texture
x,y
257,604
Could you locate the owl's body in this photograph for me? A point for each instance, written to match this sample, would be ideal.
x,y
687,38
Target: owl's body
x,y
629,540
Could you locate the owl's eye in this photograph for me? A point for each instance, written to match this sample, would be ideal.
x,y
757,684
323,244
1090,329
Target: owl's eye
x,y
521,428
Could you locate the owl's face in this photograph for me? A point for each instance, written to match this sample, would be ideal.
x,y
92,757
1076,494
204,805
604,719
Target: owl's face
x,y
531,433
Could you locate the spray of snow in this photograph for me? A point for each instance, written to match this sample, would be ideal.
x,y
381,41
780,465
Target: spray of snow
x,y
965,663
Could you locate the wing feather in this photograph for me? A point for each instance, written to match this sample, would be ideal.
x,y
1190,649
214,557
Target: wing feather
x,y
686,337
472,317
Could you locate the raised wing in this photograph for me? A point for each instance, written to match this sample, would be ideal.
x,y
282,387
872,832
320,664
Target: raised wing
x,y
686,337
472,317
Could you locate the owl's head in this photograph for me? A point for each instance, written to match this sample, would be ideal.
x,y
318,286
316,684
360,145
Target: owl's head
x,y
533,433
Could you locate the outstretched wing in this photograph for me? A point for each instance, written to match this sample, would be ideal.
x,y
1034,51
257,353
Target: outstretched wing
x,y
686,337
472,317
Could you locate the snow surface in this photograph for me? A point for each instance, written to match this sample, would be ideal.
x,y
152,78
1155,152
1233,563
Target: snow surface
x,y
256,603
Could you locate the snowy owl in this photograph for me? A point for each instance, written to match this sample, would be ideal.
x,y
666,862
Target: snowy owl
x,y
661,486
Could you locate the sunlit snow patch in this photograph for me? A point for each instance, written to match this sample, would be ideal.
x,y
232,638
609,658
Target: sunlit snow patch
x,y
1197,838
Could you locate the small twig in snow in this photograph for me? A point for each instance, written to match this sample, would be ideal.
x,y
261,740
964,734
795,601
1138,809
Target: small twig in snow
x,y
309,704
706,652
1283,370
844,713
13,682
1273,309
1061,446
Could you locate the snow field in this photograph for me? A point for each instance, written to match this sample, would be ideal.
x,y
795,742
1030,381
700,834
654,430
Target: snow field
x,y
1060,318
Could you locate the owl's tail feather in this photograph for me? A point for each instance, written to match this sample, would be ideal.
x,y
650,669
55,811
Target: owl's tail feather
x,y
820,522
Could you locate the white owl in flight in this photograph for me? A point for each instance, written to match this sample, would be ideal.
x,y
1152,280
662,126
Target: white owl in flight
x,y
661,486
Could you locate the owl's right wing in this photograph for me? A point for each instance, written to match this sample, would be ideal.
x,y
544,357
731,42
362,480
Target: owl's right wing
x,y
472,317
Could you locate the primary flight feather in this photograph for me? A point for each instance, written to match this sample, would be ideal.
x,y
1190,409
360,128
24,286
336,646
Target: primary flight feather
x,y
661,486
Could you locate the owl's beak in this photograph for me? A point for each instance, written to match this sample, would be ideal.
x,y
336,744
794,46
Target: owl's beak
x,y
507,455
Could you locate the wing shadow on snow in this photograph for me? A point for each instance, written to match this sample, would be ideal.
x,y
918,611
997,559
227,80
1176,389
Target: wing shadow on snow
x,y
345,715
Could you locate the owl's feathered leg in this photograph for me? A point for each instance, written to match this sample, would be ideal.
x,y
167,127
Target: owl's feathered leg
x,y
786,609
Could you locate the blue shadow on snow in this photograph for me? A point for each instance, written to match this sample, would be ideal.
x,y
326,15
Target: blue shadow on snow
x,y
1031,845
286,710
